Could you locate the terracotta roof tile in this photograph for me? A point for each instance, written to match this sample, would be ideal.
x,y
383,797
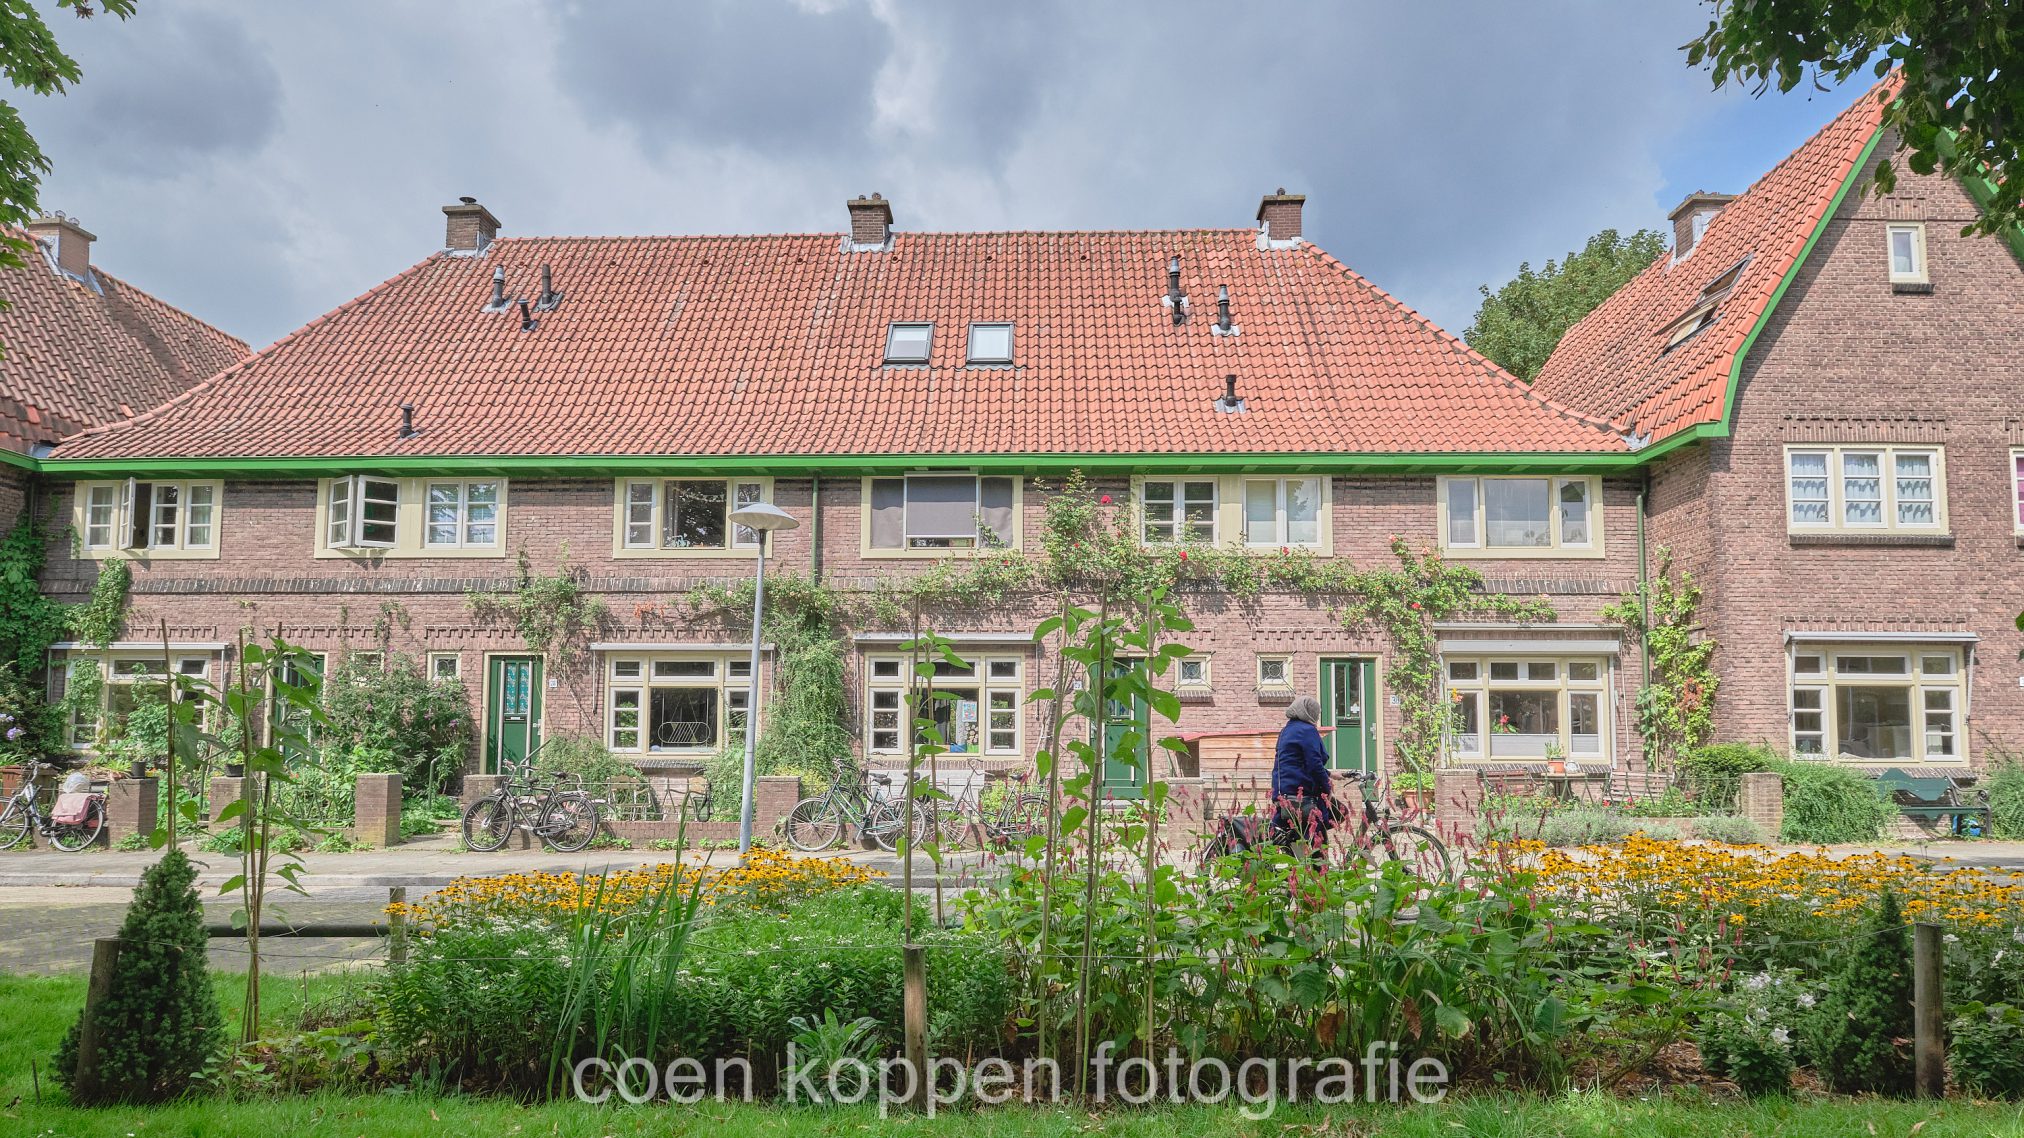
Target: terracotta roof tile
x,y
773,345
72,358
1614,363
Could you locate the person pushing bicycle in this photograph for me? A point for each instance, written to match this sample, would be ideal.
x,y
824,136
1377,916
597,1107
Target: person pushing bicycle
x,y
1303,795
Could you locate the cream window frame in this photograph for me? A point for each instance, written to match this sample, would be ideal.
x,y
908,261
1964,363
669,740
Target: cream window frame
x,y
1837,489
739,542
906,552
1919,273
1922,683
436,661
463,505
2017,490
103,518
1205,682
81,735
1285,662
1182,529
889,693
1282,522
1479,686
410,519
633,673
1557,547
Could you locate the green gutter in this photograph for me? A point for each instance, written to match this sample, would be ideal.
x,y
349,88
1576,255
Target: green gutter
x,y
16,458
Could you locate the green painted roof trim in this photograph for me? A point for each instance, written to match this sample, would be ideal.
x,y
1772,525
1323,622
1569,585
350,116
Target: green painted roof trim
x,y
16,458
1982,188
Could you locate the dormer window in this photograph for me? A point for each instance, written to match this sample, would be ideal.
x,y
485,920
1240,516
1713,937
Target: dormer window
x,y
1705,306
908,343
991,345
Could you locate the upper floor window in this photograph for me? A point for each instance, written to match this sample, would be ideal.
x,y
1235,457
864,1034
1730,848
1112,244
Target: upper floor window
x,y
2017,487
990,344
1175,510
909,343
686,513
1282,511
1865,488
940,511
412,517
160,518
1521,517
1907,253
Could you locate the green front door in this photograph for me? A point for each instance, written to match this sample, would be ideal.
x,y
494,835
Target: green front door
x,y
1349,705
512,710
1122,717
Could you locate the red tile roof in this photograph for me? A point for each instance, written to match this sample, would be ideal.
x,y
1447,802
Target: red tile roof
x,y
772,345
1614,363
72,358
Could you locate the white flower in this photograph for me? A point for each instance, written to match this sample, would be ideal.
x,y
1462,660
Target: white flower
x,y
1780,1036
1758,982
1805,999
2017,934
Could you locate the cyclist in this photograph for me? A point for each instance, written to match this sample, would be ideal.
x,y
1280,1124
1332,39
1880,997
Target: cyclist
x,y
1302,793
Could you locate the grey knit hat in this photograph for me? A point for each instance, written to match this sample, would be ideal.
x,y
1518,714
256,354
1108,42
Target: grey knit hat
x,y
1307,709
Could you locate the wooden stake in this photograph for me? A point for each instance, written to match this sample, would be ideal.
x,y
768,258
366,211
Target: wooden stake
x,y
1929,999
104,958
397,925
914,984
169,760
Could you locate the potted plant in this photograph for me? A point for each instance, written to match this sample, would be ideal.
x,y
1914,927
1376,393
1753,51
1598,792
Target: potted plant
x,y
1556,759
1413,790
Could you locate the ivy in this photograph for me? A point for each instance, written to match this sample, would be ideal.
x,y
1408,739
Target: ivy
x,y
29,623
554,615
99,619
1676,705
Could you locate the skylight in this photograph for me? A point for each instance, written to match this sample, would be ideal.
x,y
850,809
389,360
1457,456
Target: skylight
x,y
990,343
908,343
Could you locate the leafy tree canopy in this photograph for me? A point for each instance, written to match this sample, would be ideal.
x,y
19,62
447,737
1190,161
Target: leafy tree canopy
x,y
32,61
1962,107
1519,324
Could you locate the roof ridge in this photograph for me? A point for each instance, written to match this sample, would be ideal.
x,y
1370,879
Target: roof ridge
x,y
244,347
1232,231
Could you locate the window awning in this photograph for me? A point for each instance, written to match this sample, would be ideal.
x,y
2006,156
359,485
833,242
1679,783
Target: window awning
x,y
1509,647
1846,636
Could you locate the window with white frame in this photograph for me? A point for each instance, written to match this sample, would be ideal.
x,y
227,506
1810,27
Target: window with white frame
x,y
148,516
1191,673
2017,488
363,512
675,703
1868,703
924,512
1859,489
1282,511
111,687
1526,707
445,666
1275,672
461,514
1512,516
687,513
1907,252
974,705
1177,510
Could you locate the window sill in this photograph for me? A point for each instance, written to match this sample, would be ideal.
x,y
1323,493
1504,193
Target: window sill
x,y
403,553
1931,540
1912,288
1275,695
1562,553
143,556
1195,695
935,554
738,553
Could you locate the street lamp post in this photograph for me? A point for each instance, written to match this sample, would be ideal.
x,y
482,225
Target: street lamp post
x,y
762,518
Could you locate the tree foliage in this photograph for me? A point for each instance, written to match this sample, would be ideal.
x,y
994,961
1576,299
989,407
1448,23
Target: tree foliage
x,y
1961,110
32,62
1519,324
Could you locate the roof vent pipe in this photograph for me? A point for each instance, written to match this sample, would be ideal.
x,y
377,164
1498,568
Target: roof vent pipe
x,y
549,297
1175,300
527,321
1230,402
407,420
1223,307
498,301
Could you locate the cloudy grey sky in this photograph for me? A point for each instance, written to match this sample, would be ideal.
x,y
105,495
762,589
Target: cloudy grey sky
x,y
260,163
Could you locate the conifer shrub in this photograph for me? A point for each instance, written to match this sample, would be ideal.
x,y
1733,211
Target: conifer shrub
x,y
159,1024
1860,1037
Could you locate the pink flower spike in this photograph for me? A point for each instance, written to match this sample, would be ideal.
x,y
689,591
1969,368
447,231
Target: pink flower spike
x,y
1105,500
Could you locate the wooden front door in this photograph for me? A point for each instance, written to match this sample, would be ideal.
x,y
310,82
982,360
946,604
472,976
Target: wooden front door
x,y
512,711
1349,705
1122,717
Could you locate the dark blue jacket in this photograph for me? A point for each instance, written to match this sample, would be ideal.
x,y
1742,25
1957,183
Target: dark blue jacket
x,y
1300,767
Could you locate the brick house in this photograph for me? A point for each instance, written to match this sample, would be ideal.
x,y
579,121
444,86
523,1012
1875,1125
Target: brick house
x,y
1828,385
911,398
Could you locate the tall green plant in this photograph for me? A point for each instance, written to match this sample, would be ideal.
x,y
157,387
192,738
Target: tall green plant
x,y
1676,705
29,623
100,618
1860,1037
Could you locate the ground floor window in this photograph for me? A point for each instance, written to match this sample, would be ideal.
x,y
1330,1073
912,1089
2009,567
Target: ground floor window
x,y
102,693
1529,708
1866,703
676,703
974,706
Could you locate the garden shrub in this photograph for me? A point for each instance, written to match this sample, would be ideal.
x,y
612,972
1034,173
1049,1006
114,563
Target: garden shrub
x,y
1728,759
1985,1051
1827,804
392,708
159,1023
1729,829
2006,798
1749,1053
1588,826
1860,1035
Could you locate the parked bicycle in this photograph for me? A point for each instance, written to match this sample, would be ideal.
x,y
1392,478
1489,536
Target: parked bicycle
x,y
554,809
1004,812
73,823
1374,838
861,801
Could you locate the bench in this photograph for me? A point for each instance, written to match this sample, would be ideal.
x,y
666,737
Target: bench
x,y
1931,796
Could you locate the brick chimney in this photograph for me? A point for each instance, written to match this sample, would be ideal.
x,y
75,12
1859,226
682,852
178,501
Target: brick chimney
x,y
1690,219
468,227
1280,215
871,221
70,240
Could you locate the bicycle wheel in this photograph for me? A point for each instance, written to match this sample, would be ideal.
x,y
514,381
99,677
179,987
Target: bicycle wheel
x,y
1421,853
14,824
570,822
80,835
885,821
487,823
814,825
1024,817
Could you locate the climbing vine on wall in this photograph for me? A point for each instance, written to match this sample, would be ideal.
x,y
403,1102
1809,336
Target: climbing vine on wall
x,y
1676,705
29,623
553,614
99,619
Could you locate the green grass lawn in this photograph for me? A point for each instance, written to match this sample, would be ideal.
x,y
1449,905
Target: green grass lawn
x,y
36,1011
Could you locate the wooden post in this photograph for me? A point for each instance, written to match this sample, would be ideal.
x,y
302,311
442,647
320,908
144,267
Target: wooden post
x,y
1929,1000
915,985
104,958
397,925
